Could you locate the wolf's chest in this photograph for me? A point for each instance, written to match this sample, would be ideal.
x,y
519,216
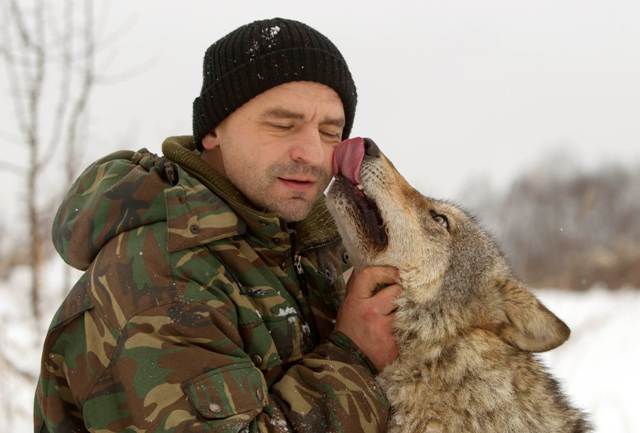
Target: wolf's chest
x,y
471,390
436,402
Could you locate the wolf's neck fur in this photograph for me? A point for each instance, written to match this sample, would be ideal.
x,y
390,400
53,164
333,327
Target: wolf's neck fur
x,y
427,328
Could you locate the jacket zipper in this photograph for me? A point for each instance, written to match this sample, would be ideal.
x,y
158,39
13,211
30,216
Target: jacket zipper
x,y
311,336
297,264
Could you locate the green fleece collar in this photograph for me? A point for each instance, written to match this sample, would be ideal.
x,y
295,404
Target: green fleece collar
x,y
317,229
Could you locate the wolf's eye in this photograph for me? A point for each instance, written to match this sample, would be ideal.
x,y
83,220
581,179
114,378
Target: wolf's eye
x,y
440,219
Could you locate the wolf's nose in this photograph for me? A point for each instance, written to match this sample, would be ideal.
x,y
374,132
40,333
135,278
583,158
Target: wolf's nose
x,y
370,148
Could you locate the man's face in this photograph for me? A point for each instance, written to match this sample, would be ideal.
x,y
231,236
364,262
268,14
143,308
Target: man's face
x,y
277,149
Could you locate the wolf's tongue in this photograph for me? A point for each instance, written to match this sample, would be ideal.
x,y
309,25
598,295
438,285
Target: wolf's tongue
x,y
347,159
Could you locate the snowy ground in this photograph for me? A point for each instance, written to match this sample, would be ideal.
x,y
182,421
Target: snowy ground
x,y
597,366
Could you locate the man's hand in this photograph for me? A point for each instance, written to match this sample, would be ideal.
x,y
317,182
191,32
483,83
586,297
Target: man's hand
x,y
366,317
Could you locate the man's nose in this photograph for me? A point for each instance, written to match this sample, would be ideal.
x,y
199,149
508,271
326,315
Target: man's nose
x,y
308,149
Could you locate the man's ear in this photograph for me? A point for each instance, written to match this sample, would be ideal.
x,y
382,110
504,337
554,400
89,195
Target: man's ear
x,y
529,325
210,141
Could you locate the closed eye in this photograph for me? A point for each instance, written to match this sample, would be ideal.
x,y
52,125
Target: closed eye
x,y
281,126
332,135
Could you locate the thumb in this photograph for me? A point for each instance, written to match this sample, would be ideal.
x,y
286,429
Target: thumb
x,y
363,283
385,299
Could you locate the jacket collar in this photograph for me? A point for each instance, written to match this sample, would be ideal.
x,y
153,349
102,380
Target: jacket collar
x,y
317,229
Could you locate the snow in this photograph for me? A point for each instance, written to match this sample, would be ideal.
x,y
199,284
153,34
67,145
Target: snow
x,y
596,367
284,312
253,49
267,33
271,32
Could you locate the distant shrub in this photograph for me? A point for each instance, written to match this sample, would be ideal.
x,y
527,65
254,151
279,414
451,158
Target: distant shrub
x,y
565,227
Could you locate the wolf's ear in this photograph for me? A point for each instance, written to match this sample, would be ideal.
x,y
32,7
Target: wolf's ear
x,y
529,325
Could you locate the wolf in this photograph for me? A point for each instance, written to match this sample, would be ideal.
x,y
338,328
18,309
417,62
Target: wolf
x,y
467,329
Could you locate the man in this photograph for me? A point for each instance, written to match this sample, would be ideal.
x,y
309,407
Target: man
x,y
212,297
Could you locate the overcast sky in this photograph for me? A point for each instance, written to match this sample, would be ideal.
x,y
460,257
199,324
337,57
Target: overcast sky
x,y
450,90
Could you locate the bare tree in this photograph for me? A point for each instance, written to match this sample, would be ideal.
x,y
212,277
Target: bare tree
x,y
49,50
48,64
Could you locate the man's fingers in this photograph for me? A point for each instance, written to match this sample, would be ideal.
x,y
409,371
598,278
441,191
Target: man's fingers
x,y
364,282
385,299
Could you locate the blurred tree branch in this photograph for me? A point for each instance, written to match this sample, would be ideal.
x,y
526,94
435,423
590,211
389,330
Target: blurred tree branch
x,y
45,70
7,365
51,55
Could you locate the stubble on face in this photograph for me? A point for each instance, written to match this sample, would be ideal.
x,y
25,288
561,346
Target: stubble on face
x,y
264,191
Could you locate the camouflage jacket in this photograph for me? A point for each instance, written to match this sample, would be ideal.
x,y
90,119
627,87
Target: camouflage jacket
x,y
196,312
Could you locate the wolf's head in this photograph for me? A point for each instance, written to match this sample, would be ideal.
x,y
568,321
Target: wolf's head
x,y
453,274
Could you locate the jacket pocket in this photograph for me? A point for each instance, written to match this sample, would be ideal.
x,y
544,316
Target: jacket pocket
x,y
237,389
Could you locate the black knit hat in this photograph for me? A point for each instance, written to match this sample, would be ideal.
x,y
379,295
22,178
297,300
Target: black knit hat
x,y
262,55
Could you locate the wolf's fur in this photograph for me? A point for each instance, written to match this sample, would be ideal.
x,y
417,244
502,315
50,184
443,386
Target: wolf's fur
x,y
466,328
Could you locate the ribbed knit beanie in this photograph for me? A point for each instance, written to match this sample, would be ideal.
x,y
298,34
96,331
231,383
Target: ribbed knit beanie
x,y
262,55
